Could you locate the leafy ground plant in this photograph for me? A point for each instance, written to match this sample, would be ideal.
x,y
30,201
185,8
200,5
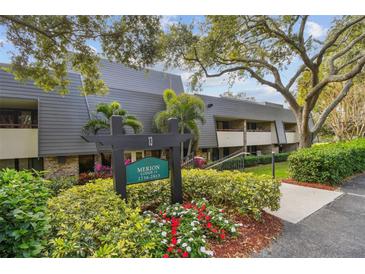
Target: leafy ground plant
x,y
184,229
23,213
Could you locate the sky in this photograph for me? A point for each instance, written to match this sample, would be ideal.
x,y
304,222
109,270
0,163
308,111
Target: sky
x,y
317,26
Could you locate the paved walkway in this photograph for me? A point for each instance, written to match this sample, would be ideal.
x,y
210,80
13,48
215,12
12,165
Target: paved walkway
x,y
336,230
298,202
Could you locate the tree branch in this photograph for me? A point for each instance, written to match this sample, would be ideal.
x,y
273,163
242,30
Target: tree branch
x,y
331,61
30,26
327,111
333,40
337,78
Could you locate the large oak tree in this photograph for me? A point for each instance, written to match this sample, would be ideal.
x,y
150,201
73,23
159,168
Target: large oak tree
x,y
46,47
262,47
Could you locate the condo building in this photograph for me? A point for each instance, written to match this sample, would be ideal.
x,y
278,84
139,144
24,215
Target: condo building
x,y
40,130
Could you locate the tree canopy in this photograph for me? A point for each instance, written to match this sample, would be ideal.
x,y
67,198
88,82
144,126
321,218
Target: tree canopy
x,y
262,48
45,47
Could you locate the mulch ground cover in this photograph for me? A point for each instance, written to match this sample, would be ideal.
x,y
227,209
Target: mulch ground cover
x,y
254,235
306,184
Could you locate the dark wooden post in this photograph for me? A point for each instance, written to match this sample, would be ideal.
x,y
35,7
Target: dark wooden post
x,y
175,165
118,165
273,164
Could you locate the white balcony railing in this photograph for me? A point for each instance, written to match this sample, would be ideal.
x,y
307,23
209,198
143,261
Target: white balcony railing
x,y
18,143
291,137
259,138
230,138
236,138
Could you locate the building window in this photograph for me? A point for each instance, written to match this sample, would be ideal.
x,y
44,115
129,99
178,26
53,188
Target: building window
x,y
251,126
24,163
139,155
106,159
86,163
215,154
16,118
252,149
156,153
35,163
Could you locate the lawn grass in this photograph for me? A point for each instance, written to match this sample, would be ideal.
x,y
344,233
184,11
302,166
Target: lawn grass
x,y
281,170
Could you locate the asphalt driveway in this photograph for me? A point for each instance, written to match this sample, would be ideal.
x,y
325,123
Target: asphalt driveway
x,y
336,230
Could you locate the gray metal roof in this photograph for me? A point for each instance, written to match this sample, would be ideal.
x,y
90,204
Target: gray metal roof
x,y
118,76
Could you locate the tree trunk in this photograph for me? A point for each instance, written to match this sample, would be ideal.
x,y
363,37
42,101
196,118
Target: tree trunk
x,y
305,135
305,139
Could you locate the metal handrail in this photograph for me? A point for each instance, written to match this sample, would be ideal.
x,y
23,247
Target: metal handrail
x,y
235,154
225,160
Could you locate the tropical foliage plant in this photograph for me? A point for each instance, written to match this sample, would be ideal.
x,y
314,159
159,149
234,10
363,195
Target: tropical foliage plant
x,y
189,111
103,115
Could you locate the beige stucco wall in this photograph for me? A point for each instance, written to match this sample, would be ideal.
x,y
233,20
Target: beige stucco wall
x,y
259,138
230,138
18,143
292,137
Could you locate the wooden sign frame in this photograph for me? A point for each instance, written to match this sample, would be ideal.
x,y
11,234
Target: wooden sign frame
x,y
120,142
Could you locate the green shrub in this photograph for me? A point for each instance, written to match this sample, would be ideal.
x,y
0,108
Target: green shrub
x,y
328,163
23,218
60,184
244,192
92,221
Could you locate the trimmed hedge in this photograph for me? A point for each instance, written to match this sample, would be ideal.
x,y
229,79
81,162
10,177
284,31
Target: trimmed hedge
x,y
328,163
23,213
253,161
244,192
92,221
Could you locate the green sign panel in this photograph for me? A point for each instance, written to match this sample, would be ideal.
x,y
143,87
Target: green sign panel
x,y
147,169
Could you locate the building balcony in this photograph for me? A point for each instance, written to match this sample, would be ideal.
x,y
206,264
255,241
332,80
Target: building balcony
x,y
235,138
292,137
258,138
230,138
18,143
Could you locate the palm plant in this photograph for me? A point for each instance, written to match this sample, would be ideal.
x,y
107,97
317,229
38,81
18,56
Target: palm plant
x,y
188,109
104,112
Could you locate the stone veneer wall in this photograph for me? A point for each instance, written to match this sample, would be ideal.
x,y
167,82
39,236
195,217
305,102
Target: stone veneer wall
x,y
56,169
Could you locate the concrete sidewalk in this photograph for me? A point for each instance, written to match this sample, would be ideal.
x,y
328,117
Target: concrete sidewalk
x,y
298,202
335,230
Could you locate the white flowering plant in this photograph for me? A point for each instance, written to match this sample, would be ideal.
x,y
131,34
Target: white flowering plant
x,y
184,229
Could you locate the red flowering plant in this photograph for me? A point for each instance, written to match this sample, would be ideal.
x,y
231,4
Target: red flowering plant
x,y
184,229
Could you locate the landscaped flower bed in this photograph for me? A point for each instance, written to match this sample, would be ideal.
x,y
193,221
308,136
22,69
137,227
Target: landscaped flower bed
x,y
185,229
92,221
